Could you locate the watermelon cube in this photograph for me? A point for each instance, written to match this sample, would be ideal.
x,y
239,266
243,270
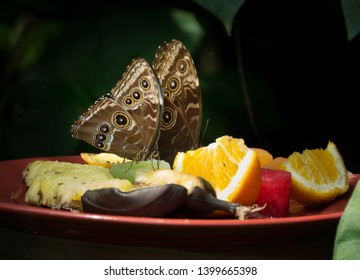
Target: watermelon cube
x,y
275,192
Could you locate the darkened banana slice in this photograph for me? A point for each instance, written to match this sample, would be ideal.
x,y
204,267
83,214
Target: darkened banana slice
x,y
201,203
201,198
158,201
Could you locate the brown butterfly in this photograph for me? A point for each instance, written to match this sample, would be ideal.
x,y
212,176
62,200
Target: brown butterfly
x,y
152,112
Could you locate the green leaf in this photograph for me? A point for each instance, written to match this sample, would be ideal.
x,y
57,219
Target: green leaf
x,y
224,10
351,10
347,240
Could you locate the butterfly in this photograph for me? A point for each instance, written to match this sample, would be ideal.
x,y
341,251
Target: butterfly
x,y
152,112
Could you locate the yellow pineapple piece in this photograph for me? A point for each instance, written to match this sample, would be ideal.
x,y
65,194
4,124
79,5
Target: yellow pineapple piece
x,y
60,185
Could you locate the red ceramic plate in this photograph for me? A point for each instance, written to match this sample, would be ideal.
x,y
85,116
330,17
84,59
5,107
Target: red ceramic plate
x,y
155,232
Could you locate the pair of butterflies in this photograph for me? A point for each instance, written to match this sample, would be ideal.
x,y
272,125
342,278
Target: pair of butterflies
x,y
152,112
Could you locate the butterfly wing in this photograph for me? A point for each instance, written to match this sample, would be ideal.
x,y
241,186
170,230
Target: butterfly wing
x,y
181,118
125,122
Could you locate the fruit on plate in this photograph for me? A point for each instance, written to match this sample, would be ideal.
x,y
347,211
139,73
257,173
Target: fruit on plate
x,y
127,170
225,177
157,201
275,192
102,159
150,178
161,193
229,165
59,185
264,156
275,163
318,175
201,196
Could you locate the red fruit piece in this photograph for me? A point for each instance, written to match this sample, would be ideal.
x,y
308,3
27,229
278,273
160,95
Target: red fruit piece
x,y
275,192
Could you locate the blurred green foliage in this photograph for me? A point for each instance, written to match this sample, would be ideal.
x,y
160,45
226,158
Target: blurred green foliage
x,y
301,71
347,239
351,10
224,10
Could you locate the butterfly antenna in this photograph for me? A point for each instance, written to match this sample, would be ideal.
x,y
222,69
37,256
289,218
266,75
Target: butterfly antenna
x,y
131,164
156,157
155,163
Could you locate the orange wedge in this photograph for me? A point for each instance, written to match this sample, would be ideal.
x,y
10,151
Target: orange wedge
x,y
275,163
318,175
264,156
229,165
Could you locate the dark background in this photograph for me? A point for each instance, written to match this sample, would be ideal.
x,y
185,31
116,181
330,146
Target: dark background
x,y
302,74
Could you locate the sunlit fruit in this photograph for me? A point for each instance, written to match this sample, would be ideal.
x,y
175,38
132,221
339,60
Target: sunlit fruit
x,y
318,175
102,159
275,192
229,165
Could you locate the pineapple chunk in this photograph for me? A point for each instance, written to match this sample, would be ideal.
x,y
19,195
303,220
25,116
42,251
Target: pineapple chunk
x,y
60,185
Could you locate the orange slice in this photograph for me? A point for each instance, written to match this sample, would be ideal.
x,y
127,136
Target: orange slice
x,y
318,175
275,163
102,159
229,165
264,156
